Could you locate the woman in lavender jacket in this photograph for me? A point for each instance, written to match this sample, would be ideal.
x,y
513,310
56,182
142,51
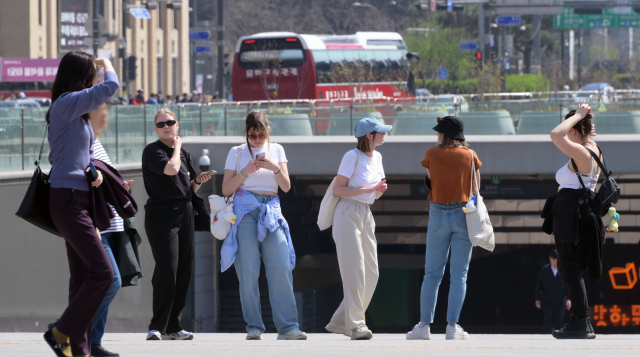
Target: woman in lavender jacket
x,y
75,93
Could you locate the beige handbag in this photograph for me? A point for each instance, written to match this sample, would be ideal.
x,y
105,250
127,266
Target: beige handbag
x,y
329,203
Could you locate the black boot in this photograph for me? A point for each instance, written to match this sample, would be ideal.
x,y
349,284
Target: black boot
x,y
577,328
99,351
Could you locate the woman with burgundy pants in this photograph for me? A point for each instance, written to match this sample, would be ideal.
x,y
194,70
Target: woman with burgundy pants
x,y
75,93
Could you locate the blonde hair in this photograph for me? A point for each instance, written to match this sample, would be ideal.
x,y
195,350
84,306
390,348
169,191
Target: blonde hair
x,y
166,111
258,122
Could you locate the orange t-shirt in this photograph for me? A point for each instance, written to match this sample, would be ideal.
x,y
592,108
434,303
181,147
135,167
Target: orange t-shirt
x,y
450,172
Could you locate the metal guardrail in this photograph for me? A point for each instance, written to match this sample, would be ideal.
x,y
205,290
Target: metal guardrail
x,y
132,128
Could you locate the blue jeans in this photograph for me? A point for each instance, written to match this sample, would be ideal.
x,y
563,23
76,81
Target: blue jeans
x,y
447,229
100,318
274,250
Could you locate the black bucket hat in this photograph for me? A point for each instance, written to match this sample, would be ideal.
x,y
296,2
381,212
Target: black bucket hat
x,y
450,126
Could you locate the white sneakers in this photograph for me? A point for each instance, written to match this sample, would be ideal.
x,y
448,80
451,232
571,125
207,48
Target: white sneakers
x,y
154,335
294,334
419,333
182,335
424,333
456,333
254,334
340,330
361,332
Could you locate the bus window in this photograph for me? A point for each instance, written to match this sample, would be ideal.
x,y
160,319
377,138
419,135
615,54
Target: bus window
x,y
336,57
270,53
351,57
381,62
396,59
323,67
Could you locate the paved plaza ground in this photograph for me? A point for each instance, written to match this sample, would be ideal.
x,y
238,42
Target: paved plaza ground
x,y
385,345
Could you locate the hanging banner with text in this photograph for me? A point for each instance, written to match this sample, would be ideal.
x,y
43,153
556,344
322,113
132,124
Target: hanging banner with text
x,y
74,19
28,70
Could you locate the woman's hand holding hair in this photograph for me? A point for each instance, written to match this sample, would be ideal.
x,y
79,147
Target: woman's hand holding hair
x,y
104,63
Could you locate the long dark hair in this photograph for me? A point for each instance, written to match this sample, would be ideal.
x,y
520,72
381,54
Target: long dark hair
x,y
75,73
583,127
257,121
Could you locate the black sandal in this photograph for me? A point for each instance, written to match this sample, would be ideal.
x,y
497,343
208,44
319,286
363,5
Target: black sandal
x,y
55,346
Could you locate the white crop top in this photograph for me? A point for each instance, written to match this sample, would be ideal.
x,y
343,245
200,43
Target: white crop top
x,y
368,172
568,179
263,180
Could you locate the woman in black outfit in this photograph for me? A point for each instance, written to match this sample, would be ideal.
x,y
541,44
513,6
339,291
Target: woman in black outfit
x,y
578,231
170,181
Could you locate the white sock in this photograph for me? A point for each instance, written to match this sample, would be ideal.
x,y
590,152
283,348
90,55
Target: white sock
x,y
423,324
452,324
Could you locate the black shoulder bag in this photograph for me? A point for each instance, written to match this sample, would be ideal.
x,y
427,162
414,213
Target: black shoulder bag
x,y
35,205
609,192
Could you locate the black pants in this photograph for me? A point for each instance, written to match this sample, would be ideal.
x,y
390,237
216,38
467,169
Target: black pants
x,y
553,316
570,270
89,265
169,227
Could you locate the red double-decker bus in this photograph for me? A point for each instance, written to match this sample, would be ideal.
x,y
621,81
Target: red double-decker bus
x,y
285,65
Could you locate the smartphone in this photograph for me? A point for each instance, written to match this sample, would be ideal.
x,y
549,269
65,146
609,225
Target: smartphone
x,y
92,173
210,172
260,156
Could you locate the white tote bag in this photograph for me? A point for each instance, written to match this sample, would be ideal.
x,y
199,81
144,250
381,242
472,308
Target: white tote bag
x,y
329,203
219,227
478,223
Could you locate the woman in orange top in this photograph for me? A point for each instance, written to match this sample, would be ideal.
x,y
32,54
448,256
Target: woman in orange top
x,y
449,167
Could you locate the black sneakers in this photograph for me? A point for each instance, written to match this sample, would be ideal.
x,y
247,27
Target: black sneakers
x,y
577,328
99,351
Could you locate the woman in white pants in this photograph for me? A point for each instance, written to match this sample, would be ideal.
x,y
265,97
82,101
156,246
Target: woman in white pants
x,y
359,183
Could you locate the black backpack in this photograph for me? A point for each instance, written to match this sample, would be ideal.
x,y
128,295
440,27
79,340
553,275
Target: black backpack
x,y
609,192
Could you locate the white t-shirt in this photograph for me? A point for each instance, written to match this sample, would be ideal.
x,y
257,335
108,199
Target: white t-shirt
x,y
263,180
368,173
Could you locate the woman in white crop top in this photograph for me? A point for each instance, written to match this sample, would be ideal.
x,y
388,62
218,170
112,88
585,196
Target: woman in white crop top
x,y
260,230
576,228
359,183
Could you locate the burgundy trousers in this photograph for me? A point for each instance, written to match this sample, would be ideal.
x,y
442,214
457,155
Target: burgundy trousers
x,y
89,265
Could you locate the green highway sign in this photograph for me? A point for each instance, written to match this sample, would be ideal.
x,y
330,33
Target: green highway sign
x,y
611,17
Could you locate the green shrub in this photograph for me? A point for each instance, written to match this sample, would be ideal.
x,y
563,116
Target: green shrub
x,y
527,83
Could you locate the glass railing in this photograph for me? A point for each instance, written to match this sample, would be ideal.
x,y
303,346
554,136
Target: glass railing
x,y
131,127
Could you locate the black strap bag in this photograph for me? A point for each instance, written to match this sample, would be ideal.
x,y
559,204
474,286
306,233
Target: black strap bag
x,y
609,192
35,205
201,214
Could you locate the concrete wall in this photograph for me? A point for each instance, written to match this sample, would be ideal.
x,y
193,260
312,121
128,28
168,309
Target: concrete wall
x,y
401,155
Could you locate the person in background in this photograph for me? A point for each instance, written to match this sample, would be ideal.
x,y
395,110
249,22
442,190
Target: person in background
x,y
359,183
12,96
449,167
99,119
160,97
578,231
551,295
260,230
139,99
21,95
152,99
130,99
195,97
74,94
185,98
170,181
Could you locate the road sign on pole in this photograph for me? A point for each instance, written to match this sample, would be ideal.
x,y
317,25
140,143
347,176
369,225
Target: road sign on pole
x,y
203,49
449,5
611,17
468,46
433,5
199,35
508,20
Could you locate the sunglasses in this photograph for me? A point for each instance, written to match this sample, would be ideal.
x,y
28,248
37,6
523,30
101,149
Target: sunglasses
x,y
262,136
161,124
